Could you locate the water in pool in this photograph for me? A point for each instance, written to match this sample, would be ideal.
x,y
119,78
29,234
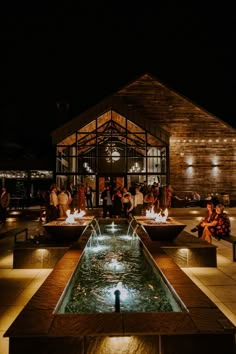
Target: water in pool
x,y
114,260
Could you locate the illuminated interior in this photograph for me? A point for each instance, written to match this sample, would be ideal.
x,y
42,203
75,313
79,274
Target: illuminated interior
x,y
111,148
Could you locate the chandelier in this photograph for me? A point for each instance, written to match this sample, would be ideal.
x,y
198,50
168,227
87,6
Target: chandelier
x,y
112,152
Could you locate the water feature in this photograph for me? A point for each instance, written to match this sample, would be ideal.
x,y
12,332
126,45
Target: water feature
x,y
114,263
69,229
179,330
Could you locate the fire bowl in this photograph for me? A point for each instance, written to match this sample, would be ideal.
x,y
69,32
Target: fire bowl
x,y
61,230
161,231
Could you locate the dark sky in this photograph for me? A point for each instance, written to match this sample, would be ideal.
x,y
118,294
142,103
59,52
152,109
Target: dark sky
x,y
80,54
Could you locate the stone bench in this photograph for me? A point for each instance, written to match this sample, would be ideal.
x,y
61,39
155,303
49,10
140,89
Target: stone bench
x,y
186,250
231,239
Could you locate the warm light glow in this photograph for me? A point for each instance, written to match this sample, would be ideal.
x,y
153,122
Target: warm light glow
x,y
15,212
115,155
215,160
11,219
71,217
42,251
159,217
120,344
182,252
190,161
193,211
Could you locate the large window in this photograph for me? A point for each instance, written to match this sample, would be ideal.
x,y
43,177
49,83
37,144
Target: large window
x,y
112,145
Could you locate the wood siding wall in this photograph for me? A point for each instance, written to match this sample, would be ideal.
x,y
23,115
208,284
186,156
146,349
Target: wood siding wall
x,y
196,136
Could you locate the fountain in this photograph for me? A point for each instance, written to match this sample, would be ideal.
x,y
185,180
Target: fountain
x,y
118,331
117,264
159,226
70,228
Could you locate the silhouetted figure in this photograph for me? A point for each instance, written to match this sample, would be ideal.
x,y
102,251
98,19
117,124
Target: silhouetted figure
x,y
117,204
106,196
88,196
53,204
4,204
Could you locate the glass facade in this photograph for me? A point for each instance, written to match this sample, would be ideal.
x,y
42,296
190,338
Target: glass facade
x,y
111,148
26,186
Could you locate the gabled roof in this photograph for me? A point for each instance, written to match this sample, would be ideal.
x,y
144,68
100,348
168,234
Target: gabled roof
x,y
153,106
113,128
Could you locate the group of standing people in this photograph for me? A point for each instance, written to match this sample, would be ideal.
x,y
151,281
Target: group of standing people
x,y
123,201
216,223
119,202
58,202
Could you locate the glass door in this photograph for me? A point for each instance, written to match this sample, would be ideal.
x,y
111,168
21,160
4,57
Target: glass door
x,y
114,181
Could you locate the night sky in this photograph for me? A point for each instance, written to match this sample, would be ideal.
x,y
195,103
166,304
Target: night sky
x,y
81,54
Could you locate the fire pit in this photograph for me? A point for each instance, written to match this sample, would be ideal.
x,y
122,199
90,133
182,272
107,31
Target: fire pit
x,y
70,228
159,226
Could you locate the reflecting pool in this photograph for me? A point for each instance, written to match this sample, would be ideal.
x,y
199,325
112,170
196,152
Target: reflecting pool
x,y
115,259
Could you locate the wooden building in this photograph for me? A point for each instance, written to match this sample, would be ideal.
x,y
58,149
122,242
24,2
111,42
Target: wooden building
x,y
148,132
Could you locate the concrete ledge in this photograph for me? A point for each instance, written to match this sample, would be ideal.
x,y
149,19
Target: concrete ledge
x,y
186,250
39,327
232,239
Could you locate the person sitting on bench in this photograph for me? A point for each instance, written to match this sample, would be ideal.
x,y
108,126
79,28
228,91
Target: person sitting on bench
x,y
210,216
219,227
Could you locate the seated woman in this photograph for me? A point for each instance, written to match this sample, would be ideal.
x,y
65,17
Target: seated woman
x,y
218,227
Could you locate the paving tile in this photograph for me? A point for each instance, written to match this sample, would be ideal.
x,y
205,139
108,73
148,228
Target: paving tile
x,y
212,276
225,293
20,285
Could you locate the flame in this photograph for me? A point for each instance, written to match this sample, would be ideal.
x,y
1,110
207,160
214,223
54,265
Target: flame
x,y
159,217
76,215
150,213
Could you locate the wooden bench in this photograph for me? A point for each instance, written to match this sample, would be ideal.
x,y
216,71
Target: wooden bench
x,y
231,239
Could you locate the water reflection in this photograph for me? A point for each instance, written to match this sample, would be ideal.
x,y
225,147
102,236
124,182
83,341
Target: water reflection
x,y
114,260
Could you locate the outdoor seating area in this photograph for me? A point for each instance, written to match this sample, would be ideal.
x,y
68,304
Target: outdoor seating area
x,y
184,199
176,256
200,321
